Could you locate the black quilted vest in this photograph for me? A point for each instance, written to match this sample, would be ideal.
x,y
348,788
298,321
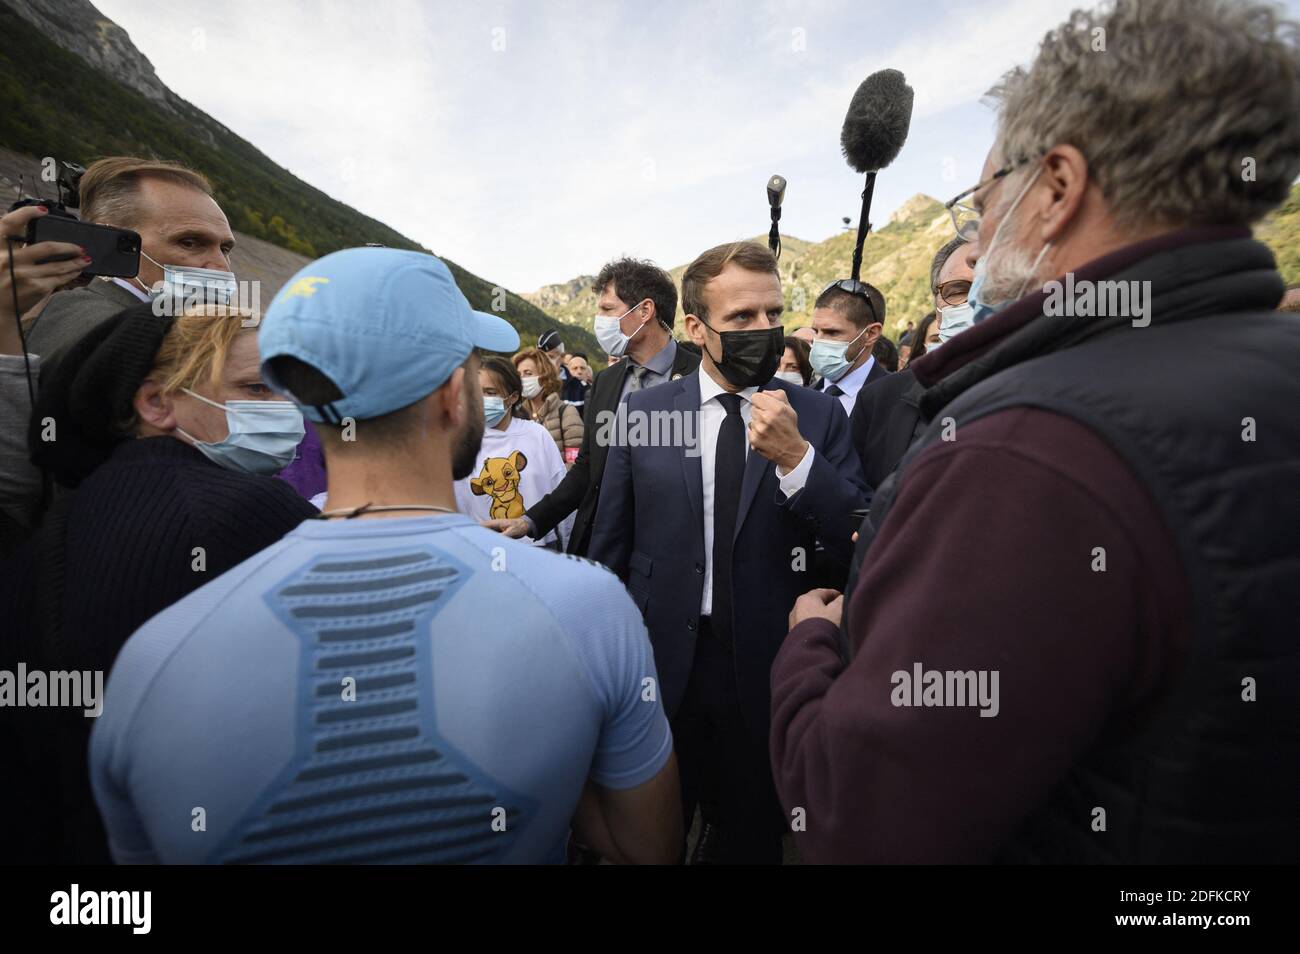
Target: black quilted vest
x,y
1208,777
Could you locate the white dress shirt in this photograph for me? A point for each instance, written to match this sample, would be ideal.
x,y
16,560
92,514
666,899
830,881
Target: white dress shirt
x,y
712,414
852,383
133,288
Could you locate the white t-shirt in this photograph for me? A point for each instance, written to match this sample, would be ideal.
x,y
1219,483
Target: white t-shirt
x,y
515,468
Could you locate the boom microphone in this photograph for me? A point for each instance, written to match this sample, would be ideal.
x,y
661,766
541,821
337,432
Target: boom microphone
x,y
874,131
876,124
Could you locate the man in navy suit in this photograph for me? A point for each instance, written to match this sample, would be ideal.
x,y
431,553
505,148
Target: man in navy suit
x,y
714,530
848,321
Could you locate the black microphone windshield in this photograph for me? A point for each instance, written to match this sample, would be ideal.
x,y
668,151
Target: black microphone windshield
x,y
879,115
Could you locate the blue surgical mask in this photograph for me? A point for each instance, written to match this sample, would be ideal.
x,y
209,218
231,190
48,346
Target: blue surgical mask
x,y
494,408
979,309
955,319
263,435
830,358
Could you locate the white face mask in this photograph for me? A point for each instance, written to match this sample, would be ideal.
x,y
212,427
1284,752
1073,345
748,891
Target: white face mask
x,y
194,286
532,386
792,377
609,332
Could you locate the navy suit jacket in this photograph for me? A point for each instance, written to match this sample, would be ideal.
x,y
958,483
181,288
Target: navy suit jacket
x,y
649,529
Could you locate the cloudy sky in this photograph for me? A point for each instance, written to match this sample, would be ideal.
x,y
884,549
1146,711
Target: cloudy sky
x,y
532,140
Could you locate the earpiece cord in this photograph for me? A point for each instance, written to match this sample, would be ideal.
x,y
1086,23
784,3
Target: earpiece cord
x,y
18,318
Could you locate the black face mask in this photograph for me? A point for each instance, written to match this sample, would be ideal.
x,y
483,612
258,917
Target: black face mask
x,y
749,358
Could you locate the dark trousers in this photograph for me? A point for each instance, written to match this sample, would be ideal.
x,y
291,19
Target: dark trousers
x,y
725,770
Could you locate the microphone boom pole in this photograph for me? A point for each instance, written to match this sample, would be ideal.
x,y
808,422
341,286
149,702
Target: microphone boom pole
x,y
864,224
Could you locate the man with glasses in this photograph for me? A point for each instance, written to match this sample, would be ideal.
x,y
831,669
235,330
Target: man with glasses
x,y
847,320
1099,515
885,414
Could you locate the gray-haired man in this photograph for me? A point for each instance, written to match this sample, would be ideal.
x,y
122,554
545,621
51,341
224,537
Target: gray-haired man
x,y
1099,521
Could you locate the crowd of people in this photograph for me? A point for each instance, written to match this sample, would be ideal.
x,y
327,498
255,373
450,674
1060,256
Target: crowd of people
x,y
376,583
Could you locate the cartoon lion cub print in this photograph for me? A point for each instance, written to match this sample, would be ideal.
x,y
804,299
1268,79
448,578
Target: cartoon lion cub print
x,y
500,481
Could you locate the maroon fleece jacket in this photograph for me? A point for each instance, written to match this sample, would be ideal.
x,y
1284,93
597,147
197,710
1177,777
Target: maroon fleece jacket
x,y
985,562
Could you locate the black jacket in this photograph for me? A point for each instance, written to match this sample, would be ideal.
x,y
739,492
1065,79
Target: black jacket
x,y
149,526
884,418
580,488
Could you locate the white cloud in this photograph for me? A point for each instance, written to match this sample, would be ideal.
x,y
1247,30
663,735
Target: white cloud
x,y
598,129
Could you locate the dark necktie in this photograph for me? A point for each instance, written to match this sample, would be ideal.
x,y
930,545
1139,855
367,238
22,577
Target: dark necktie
x,y
728,471
833,390
638,378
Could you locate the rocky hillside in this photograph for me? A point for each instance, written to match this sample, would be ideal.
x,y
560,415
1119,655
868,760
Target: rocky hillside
x,y
75,87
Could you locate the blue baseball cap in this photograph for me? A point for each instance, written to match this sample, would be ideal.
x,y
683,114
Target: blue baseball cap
x,y
386,325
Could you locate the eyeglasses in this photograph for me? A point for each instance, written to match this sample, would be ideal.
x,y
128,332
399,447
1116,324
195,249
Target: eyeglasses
x,y
954,292
858,290
965,219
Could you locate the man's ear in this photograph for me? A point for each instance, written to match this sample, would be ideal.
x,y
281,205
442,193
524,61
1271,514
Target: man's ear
x,y
451,397
1066,176
873,333
153,407
695,330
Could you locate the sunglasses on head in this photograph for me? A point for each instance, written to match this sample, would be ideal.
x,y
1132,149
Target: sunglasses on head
x,y
857,289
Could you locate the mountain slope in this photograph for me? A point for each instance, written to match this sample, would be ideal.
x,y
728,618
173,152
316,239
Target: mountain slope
x,y
574,301
56,103
896,259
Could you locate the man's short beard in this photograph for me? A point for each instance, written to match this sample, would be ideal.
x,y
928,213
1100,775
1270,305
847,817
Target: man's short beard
x,y
1010,270
464,454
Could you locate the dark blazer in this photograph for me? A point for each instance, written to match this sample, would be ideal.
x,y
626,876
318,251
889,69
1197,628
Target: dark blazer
x,y
650,531
580,488
70,314
882,423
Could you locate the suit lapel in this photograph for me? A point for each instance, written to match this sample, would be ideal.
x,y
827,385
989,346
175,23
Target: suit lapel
x,y
756,467
113,292
687,404
624,369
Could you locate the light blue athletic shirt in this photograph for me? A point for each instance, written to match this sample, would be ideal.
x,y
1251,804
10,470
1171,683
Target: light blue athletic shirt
x,y
491,678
